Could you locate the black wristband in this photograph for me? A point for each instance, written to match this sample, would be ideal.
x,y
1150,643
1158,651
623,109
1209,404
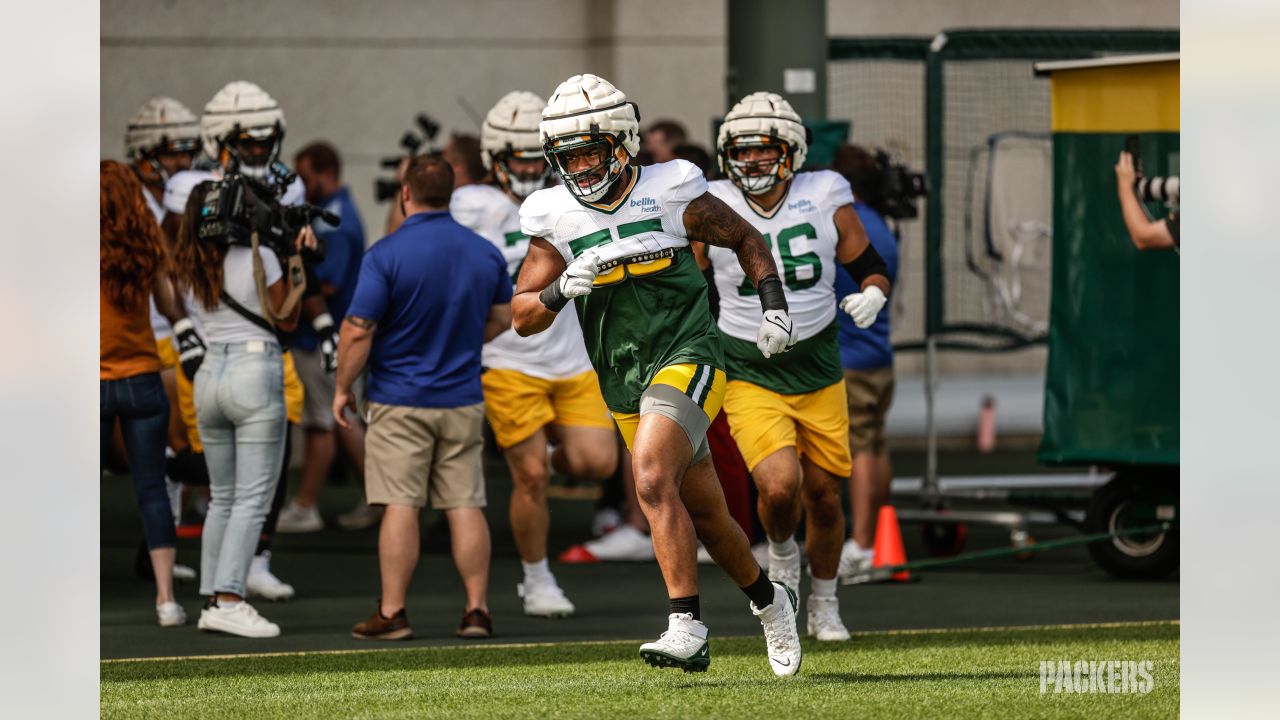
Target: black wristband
x,y
771,295
552,297
865,265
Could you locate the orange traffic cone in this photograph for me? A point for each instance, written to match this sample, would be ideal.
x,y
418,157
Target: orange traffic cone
x,y
889,550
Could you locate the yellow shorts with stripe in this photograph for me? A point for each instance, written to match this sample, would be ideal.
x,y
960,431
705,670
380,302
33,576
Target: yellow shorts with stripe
x,y
692,398
816,424
518,405
293,393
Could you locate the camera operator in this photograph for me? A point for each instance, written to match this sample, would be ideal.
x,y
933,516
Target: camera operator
x,y
234,236
1147,234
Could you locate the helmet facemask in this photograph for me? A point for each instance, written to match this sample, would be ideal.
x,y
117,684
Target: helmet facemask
x,y
149,163
756,176
592,183
519,184
255,150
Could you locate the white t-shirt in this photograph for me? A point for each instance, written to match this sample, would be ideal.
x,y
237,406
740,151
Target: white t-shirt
x,y
554,354
224,325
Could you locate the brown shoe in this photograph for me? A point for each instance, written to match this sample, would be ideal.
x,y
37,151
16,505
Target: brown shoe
x,y
378,627
476,624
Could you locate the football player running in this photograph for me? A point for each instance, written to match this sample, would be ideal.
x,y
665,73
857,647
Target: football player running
x,y
615,240
539,383
788,416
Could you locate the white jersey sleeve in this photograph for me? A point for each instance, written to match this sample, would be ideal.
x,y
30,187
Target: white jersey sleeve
x,y
690,185
838,192
179,187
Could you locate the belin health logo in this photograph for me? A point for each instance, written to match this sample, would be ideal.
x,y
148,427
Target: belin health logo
x,y
646,205
1116,677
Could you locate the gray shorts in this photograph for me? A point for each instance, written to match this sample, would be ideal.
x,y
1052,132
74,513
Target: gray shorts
x,y
670,402
317,400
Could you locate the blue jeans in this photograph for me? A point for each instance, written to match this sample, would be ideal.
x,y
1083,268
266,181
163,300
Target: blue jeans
x,y
143,409
239,394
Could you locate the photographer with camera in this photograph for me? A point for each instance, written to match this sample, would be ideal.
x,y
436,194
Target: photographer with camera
x,y
235,235
1147,234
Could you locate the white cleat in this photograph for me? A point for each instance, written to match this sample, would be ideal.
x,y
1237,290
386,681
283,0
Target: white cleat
x,y
785,571
780,634
626,544
183,573
297,519
855,562
242,620
683,645
824,620
261,583
544,598
606,520
170,614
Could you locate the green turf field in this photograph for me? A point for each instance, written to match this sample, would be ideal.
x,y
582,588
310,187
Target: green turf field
x,y
963,673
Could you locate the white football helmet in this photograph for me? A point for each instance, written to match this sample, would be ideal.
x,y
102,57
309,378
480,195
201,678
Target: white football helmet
x,y
761,120
587,112
161,126
245,124
511,131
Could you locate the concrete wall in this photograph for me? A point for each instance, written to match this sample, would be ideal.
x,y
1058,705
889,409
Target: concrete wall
x,y
927,17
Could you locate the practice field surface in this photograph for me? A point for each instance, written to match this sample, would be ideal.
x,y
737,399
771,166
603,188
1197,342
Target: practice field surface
x,y
964,673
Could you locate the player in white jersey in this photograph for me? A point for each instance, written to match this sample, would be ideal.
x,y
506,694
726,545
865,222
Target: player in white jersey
x,y
615,237
789,417
537,385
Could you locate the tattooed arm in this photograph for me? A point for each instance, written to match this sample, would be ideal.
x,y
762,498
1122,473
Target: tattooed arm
x,y
354,341
709,220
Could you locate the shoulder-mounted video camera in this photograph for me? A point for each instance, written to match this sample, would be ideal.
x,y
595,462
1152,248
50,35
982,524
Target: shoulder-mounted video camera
x,y
896,189
386,189
237,206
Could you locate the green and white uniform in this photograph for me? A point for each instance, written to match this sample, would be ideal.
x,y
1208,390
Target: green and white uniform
x,y
553,354
649,306
802,235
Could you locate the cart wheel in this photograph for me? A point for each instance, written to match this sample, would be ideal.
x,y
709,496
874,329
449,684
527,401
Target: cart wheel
x,y
944,539
1122,503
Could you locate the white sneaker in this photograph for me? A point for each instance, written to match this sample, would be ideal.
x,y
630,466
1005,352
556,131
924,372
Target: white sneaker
x,y
296,519
242,620
785,570
626,544
606,520
683,645
183,573
824,619
855,562
780,635
544,598
360,517
262,583
171,614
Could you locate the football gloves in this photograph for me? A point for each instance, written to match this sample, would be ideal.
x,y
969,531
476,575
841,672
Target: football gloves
x,y
190,347
864,306
777,333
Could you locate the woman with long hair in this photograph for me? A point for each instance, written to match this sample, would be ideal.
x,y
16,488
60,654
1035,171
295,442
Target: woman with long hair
x,y
240,407
132,258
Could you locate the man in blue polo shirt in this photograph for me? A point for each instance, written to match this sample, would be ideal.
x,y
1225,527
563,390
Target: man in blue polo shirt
x,y
429,296
320,169
867,357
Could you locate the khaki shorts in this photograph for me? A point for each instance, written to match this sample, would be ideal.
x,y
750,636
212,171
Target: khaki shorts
x,y
870,394
413,455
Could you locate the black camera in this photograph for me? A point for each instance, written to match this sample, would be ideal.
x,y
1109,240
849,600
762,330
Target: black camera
x,y
896,188
386,189
237,206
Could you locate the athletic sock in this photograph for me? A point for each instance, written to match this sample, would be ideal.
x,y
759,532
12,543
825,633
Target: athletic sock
x,y
538,571
785,549
760,592
822,588
689,605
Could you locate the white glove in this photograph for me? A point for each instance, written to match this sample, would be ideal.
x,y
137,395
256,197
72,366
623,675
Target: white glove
x,y
864,306
777,333
578,277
